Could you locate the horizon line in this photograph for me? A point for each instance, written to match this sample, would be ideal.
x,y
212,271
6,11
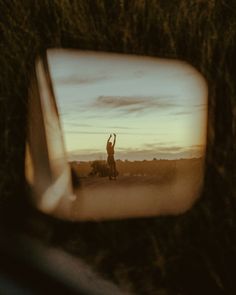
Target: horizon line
x,y
126,160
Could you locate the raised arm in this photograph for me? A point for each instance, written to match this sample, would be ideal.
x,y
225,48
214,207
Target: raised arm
x,y
109,139
114,141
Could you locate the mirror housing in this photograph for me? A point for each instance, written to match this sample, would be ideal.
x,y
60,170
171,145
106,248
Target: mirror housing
x,y
165,184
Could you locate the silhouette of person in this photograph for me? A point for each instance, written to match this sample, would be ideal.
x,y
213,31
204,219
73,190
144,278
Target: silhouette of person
x,y
110,158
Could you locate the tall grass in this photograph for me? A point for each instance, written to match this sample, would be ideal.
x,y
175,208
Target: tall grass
x,y
190,254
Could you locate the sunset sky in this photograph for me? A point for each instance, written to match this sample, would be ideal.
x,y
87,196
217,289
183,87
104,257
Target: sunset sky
x,y
156,107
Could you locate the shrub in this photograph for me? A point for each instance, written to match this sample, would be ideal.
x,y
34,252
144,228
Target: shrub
x,y
99,168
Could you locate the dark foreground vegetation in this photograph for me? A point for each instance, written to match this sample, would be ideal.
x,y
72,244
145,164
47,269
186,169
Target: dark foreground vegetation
x,y
194,253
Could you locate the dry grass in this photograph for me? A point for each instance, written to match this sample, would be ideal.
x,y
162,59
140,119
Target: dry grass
x,y
142,189
191,254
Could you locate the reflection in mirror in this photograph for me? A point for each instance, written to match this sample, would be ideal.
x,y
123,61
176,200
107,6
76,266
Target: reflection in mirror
x,y
134,130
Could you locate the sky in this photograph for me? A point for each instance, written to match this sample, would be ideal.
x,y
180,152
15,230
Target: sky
x,y
157,107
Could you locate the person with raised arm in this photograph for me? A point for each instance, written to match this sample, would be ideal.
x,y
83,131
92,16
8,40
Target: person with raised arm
x,y
110,157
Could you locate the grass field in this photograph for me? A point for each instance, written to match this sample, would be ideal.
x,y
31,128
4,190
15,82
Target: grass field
x,y
143,188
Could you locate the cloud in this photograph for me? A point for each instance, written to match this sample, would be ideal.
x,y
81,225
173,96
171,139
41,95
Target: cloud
x,y
183,113
85,151
173,149
78,124
76,80
159,151
153,150
97,126
134,104
84,132
190,109
158,144
122,127
120,101
99,132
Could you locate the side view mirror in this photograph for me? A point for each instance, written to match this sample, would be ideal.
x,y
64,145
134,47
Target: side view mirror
x,y
114,136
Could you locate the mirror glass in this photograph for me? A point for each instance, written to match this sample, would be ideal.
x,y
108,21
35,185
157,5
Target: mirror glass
x,y
134,129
